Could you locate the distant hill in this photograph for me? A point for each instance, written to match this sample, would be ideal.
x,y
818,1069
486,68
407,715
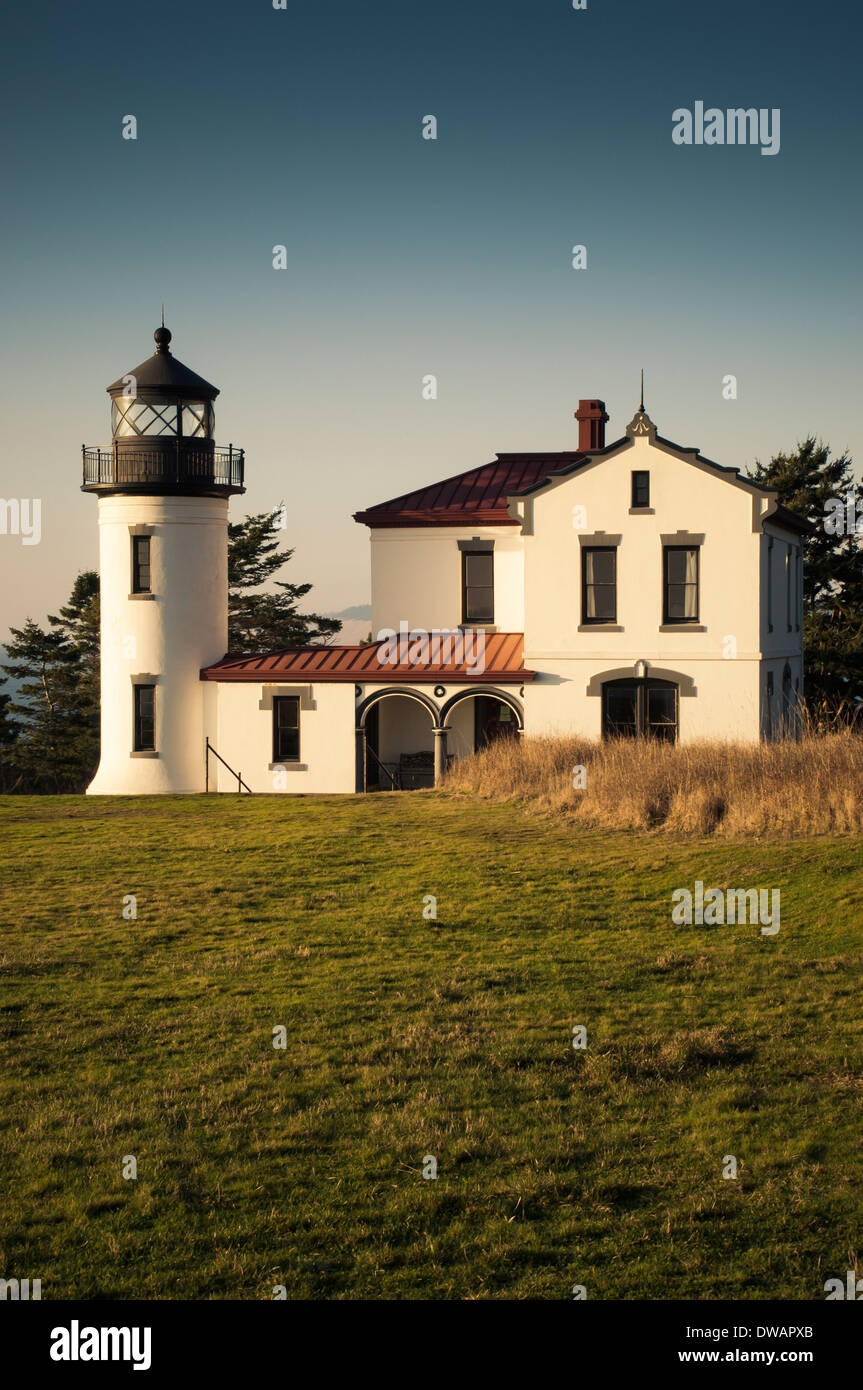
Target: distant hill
x,y
356,624
7,685
360,610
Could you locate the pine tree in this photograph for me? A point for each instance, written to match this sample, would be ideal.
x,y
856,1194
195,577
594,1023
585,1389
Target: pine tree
x,y
55,709
808,481
266,622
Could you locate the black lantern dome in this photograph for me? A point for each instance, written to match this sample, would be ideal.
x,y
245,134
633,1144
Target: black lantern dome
x,y
163,433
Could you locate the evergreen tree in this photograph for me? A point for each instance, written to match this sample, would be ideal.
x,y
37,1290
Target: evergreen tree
x,y
265,622
809,481
55,709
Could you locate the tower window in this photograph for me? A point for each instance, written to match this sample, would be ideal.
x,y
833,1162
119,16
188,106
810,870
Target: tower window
x,y
145,718
140,564
477,586
680,583
286,729
132,416
640,488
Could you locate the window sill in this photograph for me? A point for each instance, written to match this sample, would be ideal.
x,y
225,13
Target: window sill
x,y
151,597
599,627
642,511
682,627
288,767
478,626
143,755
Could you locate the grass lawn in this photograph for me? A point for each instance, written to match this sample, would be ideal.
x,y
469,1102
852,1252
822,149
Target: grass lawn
x,y
408,1037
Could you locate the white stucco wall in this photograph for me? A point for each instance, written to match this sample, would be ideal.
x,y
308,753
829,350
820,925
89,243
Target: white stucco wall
x,y
726,704
416,576
166,637
723,659
240,728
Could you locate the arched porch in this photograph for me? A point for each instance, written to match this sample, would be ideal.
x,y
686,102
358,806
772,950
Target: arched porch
x,y
406,737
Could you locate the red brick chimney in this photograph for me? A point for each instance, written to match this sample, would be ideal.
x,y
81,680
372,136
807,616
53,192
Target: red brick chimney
x,y
592,420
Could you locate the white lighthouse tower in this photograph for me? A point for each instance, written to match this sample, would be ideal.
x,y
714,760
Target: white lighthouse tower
x,y
163,490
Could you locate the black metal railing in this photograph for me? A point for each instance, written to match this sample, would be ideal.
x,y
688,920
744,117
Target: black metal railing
x,y
182,463
241,785
395,784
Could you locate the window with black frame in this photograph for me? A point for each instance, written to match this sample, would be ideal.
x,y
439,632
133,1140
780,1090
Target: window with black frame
x,y
680,583
140,564
145,718
640,488
598,584
286,729
477,586
640,709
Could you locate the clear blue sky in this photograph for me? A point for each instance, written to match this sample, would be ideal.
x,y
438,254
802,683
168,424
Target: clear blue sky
x,y
406,257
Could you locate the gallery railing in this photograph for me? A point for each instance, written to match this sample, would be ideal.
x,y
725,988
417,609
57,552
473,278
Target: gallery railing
x,y
183,462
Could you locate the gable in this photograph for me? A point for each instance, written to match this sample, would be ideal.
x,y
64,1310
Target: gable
x,y
495,493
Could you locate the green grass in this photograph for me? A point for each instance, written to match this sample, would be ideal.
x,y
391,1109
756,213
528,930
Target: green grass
x,y
408,1037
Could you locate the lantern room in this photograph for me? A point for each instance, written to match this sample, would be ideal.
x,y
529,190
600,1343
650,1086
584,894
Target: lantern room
x,y
162,419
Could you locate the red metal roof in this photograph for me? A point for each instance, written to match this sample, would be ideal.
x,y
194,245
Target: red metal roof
x,y
498,660
477,496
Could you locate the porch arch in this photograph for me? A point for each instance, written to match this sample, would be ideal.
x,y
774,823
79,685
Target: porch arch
x,y
408,690
364,748
493,693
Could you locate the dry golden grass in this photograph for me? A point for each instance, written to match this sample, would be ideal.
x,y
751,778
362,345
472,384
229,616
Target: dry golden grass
x,y
810,785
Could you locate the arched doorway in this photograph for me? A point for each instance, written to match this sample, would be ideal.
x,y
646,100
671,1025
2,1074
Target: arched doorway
x,y
396,740
475,718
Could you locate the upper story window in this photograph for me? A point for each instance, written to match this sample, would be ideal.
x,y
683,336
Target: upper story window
x,y
598,584
140,564
788,587
769,583
640,488
145,718
680,583
477,586
286,729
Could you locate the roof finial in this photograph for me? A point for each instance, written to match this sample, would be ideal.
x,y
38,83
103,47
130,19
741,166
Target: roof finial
x,y
162,336
641,407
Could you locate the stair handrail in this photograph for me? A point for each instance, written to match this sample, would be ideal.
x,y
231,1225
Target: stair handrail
x,y
240,783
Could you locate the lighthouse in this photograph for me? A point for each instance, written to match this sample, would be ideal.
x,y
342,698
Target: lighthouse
x,y
163,489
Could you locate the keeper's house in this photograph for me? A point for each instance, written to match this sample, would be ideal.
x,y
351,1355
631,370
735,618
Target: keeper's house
x,y
632,589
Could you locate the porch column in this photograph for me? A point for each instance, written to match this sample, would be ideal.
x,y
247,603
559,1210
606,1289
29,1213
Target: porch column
x,y
439,755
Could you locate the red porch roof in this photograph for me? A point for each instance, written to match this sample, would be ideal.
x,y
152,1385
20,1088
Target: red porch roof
x,y
501,660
